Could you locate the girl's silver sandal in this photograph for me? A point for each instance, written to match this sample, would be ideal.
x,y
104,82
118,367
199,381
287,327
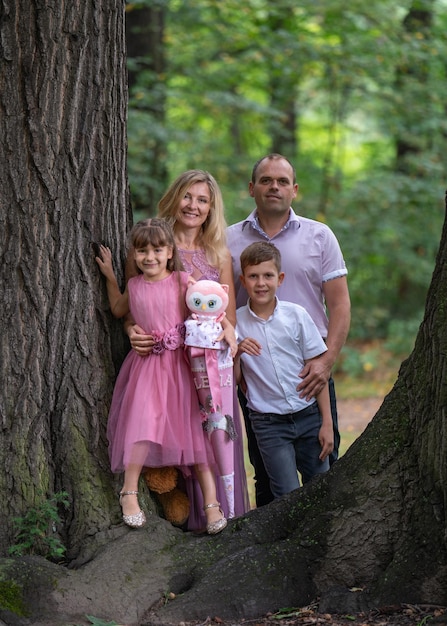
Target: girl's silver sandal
x,y
212,528
137,520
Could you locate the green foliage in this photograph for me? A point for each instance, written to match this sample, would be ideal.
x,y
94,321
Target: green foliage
x,y
355,362
99,622
401,335
424,621
35,530
300,612
145,183
366,370
353,93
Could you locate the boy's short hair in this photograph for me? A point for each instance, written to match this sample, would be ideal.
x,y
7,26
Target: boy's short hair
x,y
259,252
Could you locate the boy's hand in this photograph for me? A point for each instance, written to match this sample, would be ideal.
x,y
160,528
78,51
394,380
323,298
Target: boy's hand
x,y
326,439
250,346
105,262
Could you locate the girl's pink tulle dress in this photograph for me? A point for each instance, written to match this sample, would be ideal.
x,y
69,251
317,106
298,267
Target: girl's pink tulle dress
x,y
154,419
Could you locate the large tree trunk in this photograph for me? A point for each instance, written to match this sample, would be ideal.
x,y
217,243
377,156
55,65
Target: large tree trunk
x,y
62,185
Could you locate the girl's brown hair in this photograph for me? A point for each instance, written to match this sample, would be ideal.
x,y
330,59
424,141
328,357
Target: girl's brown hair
x,y
156,232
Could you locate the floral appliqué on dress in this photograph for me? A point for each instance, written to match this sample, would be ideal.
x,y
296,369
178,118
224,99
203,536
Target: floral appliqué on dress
x,y
169,340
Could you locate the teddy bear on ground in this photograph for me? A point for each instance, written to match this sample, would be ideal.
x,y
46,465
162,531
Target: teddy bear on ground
x,y
174,502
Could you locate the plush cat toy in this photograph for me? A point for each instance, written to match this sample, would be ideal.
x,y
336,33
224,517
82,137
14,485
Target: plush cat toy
x,y
212,367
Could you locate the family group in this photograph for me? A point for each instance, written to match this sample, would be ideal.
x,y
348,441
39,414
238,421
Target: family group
x,y
222,320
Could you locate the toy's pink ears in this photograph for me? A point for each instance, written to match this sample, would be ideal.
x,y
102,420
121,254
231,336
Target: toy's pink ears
x,y
226,288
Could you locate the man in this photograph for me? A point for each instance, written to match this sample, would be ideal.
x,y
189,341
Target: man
x,y
315,278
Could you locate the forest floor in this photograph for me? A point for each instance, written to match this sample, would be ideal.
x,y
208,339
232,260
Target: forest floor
x,y
403,615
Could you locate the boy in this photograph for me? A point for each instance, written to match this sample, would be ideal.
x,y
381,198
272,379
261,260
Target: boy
x,y
278,339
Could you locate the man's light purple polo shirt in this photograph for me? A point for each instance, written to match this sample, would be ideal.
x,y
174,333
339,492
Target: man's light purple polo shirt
x,y
310,253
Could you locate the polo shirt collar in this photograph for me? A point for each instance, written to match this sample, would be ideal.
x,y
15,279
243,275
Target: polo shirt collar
x,y
293,220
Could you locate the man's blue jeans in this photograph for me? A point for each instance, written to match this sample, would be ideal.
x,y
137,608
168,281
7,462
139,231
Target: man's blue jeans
x,y
289,443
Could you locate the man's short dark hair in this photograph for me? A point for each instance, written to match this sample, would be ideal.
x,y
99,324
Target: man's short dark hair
x,y
274,156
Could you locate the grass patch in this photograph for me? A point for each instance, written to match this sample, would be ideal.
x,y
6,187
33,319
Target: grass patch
x,y
366,370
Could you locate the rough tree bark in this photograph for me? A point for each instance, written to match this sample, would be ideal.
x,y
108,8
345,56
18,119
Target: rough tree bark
x,y
62,184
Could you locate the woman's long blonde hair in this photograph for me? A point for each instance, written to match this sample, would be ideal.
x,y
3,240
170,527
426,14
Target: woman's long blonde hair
x,y
213,237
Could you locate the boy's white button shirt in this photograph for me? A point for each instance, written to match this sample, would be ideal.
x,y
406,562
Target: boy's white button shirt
x,y
288,338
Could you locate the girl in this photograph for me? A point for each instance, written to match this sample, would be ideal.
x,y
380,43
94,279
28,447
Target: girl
x,y
154,418
193,205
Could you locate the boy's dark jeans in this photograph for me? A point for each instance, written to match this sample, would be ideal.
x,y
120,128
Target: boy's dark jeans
x,y
263,492
288,443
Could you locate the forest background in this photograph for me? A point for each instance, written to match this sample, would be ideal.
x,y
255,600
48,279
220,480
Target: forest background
x,y
355,95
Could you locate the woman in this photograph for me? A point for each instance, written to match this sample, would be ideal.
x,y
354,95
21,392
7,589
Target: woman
x,y
194,207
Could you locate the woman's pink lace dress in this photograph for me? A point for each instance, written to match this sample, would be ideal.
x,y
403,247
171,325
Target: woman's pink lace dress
x,y
197,265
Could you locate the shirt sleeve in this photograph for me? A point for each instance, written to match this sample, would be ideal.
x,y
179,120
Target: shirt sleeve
x,y
312,344
333,263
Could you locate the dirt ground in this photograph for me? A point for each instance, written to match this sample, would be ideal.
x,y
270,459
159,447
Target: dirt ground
x,y
354,415
403,615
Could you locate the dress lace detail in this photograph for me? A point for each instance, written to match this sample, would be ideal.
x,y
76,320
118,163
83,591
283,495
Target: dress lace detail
x,y
197,265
